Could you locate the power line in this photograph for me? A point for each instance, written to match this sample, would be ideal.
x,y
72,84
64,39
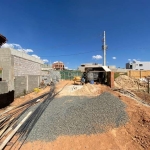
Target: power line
x,y
71,54
75,43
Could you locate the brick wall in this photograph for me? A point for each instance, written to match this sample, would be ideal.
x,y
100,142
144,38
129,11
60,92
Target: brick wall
x,y
58,65
25,67
110,79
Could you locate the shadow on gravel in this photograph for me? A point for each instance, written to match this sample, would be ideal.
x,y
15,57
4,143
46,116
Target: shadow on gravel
x,y
72,115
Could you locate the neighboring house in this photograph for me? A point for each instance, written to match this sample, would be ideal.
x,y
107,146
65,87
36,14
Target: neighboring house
x,y
58,65
46,68
21,72
138,65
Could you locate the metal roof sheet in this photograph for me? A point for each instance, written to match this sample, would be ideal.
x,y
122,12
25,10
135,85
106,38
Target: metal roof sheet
x,y
106,68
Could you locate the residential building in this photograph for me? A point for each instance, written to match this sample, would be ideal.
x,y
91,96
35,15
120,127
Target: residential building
x,y
58,65
138,65
46,68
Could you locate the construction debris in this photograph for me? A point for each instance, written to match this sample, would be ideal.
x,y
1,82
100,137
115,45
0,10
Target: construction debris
x,y
130,94
9,118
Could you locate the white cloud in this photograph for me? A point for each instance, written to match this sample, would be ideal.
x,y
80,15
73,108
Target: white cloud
x,y
6,45
97,57
57,62
28,50
134,60
35,56
66,67
45,60
17,47
129,59
114,58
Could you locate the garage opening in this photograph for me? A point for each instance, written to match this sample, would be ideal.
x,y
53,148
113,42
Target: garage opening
x,y
96,74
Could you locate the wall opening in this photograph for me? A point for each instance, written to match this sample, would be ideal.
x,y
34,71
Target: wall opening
x,y
6,99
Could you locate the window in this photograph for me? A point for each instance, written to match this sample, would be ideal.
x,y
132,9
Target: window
x,y
130,66
140,65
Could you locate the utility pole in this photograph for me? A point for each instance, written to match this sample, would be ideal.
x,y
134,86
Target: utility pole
x,y
104,48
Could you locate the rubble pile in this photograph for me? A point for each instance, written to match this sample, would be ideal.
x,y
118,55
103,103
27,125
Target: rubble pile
x,y
123,81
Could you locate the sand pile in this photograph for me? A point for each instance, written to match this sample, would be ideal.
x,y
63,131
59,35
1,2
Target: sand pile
x,y
126,82
89,90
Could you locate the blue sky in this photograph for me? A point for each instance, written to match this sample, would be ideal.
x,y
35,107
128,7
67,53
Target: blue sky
x,y
52,28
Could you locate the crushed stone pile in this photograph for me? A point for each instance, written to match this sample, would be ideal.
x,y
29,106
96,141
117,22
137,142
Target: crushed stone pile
x,y
78,115
124,81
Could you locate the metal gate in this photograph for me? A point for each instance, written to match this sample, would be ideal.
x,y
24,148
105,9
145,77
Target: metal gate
x,y
70,74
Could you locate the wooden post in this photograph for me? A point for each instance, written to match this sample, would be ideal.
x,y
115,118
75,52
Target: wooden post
x,y
129,73
148,85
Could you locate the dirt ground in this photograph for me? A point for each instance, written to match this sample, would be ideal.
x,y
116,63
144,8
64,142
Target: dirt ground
x,y
20,100
30,96
143,95
133,135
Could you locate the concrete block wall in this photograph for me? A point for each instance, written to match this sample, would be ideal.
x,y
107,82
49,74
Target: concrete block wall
x,y
26,83
23,66
20,84
3,87
16,66
6,64
33,82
